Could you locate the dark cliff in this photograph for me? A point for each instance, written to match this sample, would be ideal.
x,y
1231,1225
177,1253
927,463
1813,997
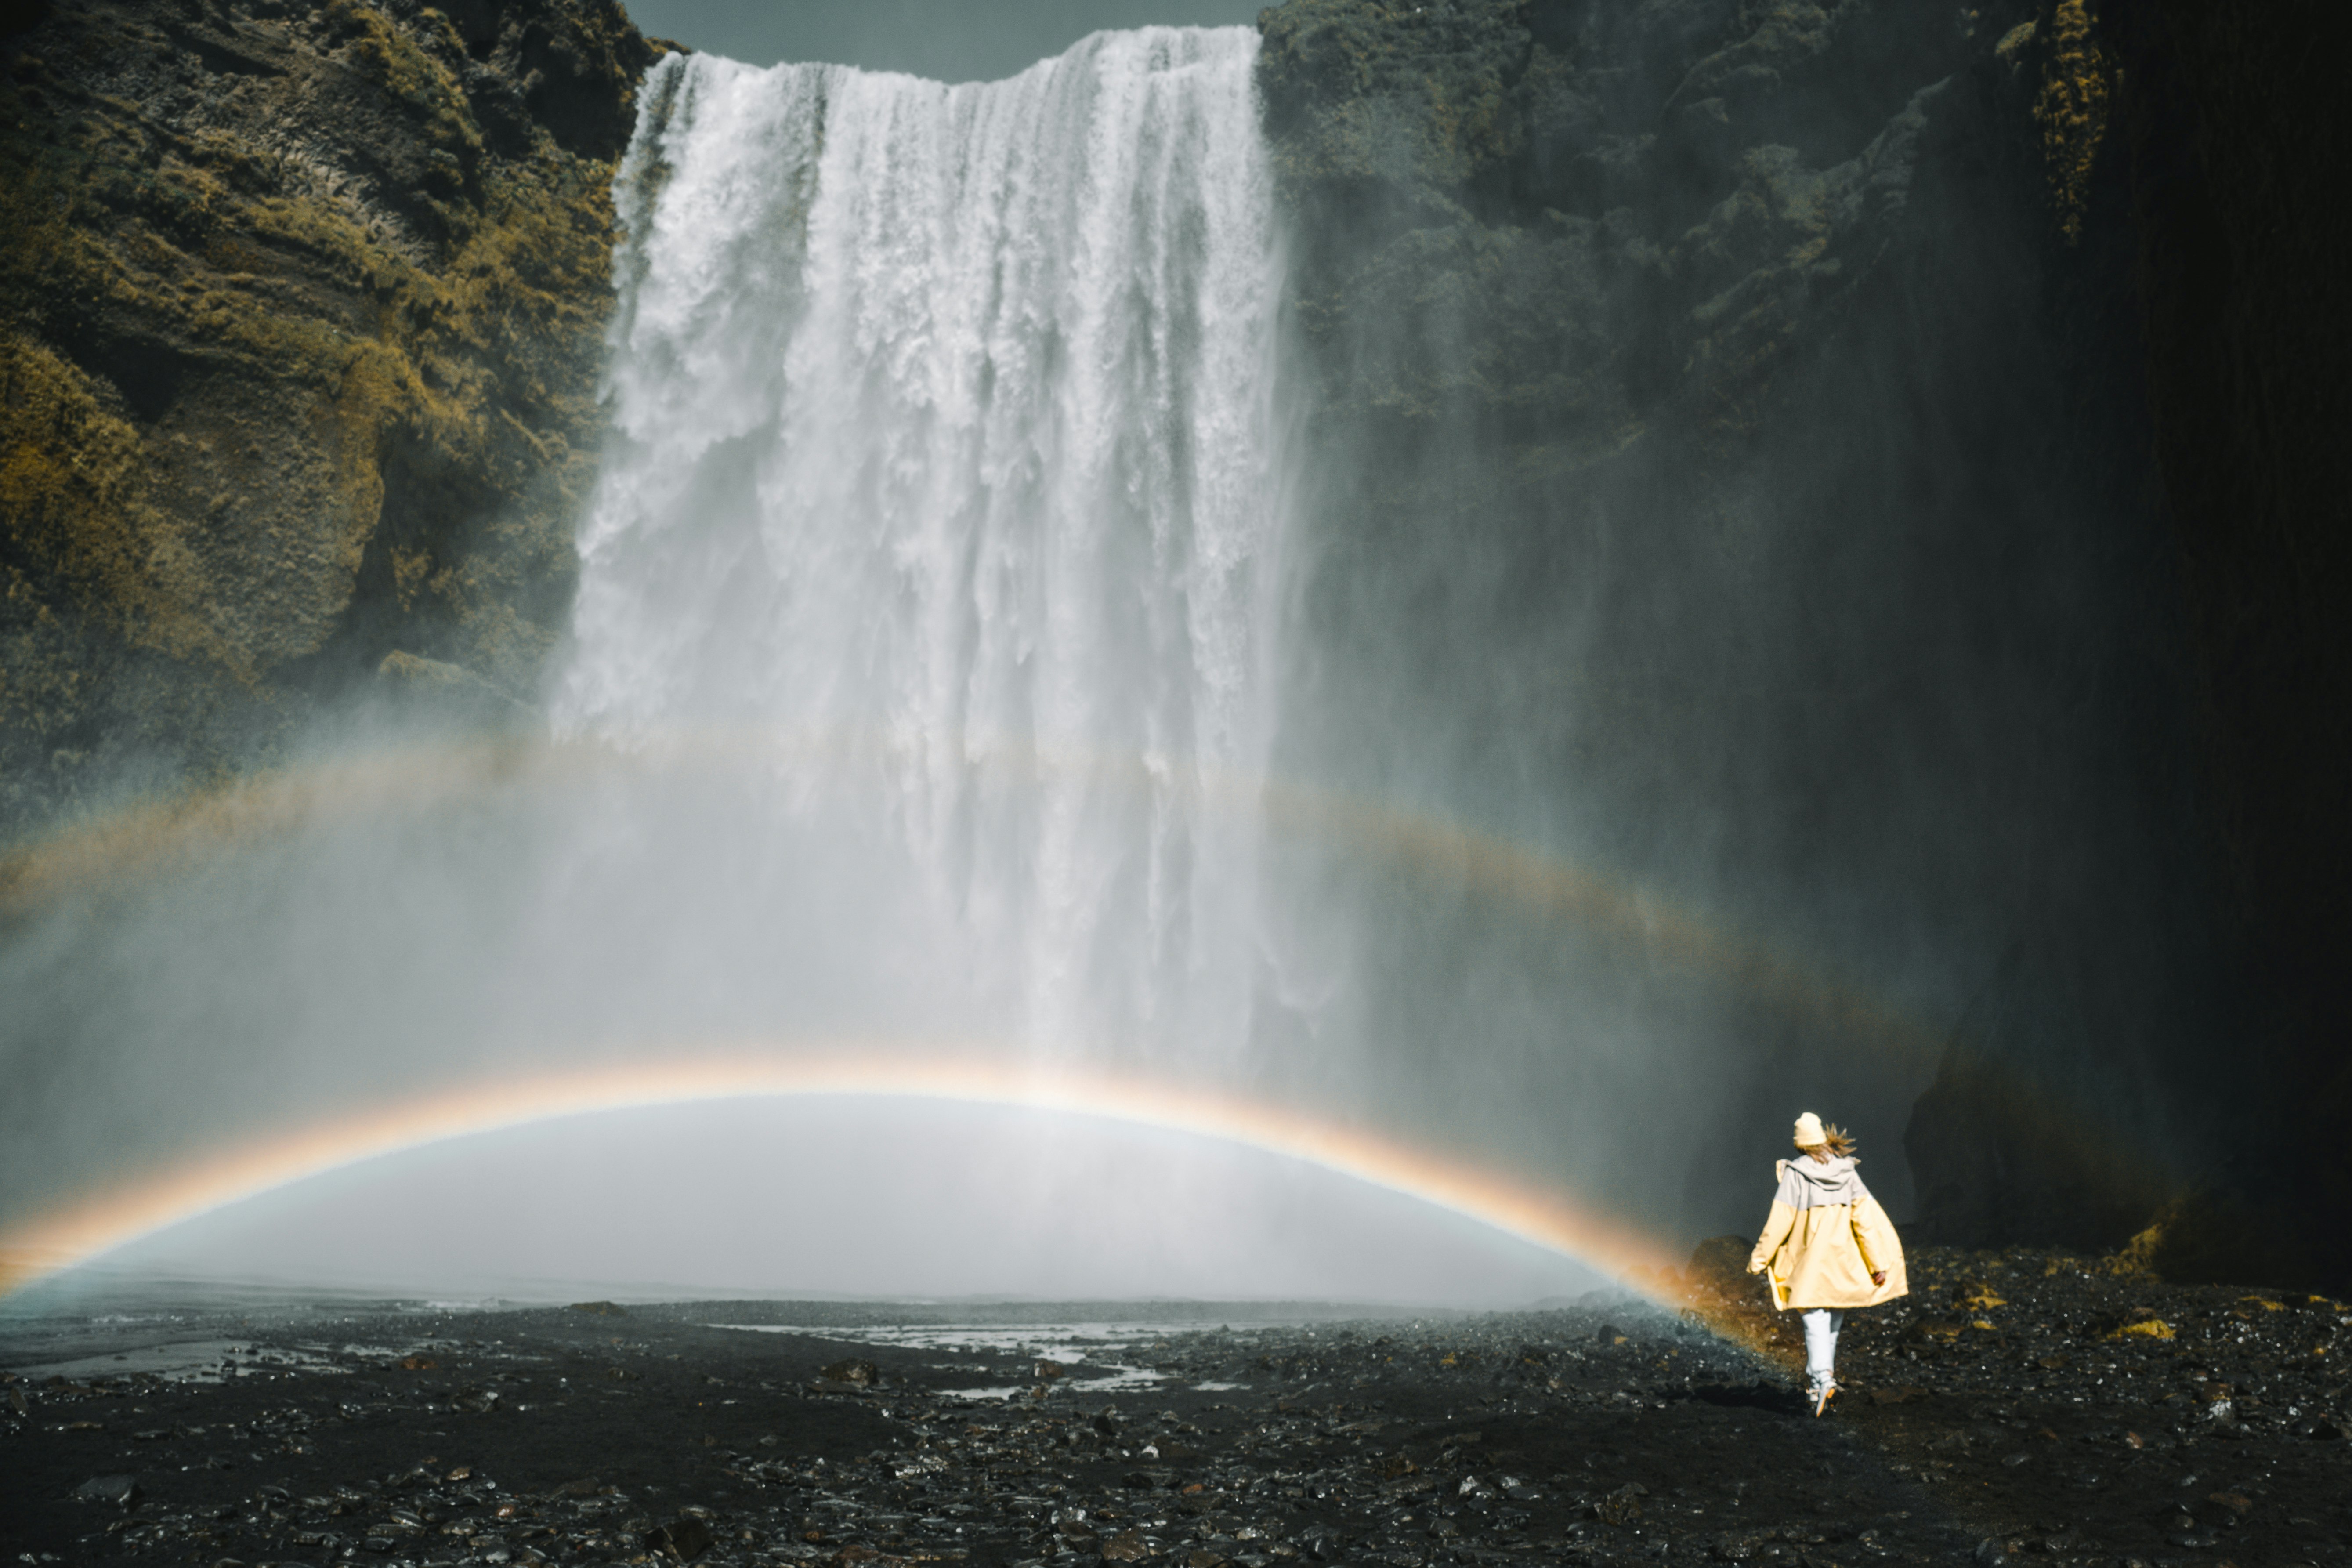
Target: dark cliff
x,y
300,314
2236,143
1845,447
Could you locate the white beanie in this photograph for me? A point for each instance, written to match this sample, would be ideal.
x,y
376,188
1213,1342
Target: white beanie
x,y
1809,1132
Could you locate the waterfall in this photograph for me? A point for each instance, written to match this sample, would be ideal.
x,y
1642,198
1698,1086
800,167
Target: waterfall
x,y
942,477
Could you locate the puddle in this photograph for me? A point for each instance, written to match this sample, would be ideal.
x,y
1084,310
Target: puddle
x,y
210,1361
197,1361
1083,1349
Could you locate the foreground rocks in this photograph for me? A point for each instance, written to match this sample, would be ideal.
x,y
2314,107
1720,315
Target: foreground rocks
x,y
2064,1429
2064,1405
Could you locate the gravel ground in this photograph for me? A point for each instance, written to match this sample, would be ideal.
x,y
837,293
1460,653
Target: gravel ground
x,y
2018,1404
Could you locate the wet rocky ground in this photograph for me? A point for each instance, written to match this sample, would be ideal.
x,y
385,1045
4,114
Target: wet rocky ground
x,y
2019,1404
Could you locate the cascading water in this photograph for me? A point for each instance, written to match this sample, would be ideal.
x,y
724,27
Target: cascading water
x,y
943,474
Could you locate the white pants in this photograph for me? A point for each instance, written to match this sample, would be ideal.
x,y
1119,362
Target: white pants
x,y
1822,1326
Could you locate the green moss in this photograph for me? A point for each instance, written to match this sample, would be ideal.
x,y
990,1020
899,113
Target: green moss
x,y
1422,95
272,413
68,472
389,58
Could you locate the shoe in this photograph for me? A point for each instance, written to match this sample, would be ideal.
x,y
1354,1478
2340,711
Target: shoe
x,y
1822,1398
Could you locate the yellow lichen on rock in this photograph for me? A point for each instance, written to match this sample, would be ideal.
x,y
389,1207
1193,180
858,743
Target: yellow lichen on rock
x,y
2137,1256
2146,1328
2077,81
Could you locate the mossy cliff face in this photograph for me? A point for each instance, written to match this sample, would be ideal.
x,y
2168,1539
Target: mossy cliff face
x,y
300,313
1613,212
1738,408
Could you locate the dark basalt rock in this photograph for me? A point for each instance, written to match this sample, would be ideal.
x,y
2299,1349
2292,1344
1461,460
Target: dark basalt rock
x,y
682,1539
120,1490
302,312
2071,1411
2238,143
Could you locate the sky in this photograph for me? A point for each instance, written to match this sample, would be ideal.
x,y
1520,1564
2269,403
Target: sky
x,y
949,40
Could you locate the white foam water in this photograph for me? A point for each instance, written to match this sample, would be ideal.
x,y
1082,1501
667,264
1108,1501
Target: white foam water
x,y
943,463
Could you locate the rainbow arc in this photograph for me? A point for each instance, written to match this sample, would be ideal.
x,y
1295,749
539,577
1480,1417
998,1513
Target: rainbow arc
x,y
155,838
42,1246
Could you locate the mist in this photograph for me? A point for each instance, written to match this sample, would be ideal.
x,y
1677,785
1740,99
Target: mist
x,y
850,1197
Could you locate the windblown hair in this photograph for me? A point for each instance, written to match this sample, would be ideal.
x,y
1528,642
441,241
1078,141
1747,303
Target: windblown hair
x,y
1835,1141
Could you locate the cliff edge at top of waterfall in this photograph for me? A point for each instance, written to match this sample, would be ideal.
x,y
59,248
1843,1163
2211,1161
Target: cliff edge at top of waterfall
x,y
300,314
1589,223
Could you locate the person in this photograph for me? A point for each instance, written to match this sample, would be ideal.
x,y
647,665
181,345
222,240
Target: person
x,y
1827,1249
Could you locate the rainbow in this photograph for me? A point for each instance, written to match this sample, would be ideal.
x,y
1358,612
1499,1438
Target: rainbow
x,y
42,1246
157,838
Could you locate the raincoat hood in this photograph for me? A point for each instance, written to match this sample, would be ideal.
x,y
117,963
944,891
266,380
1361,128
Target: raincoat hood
x,y
1807,1182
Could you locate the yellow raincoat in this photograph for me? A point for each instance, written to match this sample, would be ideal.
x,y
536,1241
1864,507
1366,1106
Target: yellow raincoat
x,y
1825,1238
